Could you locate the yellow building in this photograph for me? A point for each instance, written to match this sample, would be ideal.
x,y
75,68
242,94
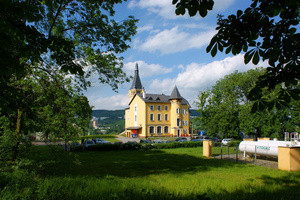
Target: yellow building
x,y
155,114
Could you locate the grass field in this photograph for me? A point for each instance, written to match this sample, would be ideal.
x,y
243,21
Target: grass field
x,y
153,174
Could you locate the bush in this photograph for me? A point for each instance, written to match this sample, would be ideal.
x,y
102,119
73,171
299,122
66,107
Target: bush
x,y
234,143
136,146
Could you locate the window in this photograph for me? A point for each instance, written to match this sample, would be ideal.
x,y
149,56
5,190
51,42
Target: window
x,y
151,130
184,123
135,118
151,117
134,108
151,107
166,129
166,117
184,111
185,131
158,130
159,117
178,122
166,107
159,107
178,110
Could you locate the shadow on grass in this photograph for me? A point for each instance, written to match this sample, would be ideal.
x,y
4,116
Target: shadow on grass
x,y
286,187
123,163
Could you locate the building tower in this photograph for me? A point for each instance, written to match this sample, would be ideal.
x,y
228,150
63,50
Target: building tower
x,y
136,87
176,113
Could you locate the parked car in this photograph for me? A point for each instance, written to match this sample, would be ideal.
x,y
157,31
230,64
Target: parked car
x,y
197,139
101,141
181,139
148,141
215,139
88,143
158,141
226,141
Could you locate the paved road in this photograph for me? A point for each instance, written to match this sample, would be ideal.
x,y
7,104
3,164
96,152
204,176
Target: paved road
x,y
127,139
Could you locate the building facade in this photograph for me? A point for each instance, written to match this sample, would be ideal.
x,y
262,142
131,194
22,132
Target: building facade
x,y
155,114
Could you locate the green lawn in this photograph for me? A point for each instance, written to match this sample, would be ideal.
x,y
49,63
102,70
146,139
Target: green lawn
x,y
153,174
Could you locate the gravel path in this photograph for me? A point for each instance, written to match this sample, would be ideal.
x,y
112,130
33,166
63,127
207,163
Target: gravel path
x,y
260,161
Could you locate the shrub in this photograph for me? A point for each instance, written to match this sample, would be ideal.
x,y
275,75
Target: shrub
x,y
234,143
136,146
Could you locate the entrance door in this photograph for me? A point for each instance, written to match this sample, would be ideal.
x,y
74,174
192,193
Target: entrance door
x,y
178,133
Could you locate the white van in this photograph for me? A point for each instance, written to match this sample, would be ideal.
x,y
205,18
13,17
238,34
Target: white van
x,y
226,141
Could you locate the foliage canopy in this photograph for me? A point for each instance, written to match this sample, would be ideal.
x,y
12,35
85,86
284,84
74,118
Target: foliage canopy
x,y
266,30
49,50
226,110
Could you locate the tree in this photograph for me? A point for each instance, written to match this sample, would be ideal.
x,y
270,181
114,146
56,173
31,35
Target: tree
x,y
43,42
48,104
226,110
267,30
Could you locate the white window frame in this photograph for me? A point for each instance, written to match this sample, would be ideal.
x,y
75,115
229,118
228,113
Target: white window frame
x,y
159,117
151,107
166,117
151,117
178,110
159,107
167,107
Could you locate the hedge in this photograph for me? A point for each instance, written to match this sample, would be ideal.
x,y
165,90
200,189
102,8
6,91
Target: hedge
x,y
118,146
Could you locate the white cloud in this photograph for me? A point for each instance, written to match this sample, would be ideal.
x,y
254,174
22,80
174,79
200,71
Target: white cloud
x,y
118,101
147,27
221,5
165,9
198,77
145,69
172,41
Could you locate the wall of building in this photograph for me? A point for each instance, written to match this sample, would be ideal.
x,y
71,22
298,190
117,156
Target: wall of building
x,y
139,113
155,123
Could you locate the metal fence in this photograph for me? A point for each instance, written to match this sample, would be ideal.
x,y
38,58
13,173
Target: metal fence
x,y
226,152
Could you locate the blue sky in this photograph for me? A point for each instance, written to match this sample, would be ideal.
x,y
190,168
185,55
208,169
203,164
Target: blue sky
x,y
170,50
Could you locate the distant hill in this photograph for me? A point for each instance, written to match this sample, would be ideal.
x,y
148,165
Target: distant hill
x,y
194,113
111,116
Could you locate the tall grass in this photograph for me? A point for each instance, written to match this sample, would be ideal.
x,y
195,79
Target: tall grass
x,y
180,173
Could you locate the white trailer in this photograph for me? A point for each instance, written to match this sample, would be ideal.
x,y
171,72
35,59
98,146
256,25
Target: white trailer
x,y
265,147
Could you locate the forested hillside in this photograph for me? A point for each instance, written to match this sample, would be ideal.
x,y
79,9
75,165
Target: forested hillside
x,y
112,116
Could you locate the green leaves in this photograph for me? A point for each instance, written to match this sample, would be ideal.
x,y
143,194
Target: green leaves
x,y
193,6
214,45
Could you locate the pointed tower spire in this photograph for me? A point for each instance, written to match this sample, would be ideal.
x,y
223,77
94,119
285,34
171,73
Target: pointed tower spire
x,y
175,94
136,84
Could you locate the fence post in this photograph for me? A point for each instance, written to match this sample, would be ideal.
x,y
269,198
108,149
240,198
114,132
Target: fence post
x,y
244,152
221,150
237,156
255,156
227,150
